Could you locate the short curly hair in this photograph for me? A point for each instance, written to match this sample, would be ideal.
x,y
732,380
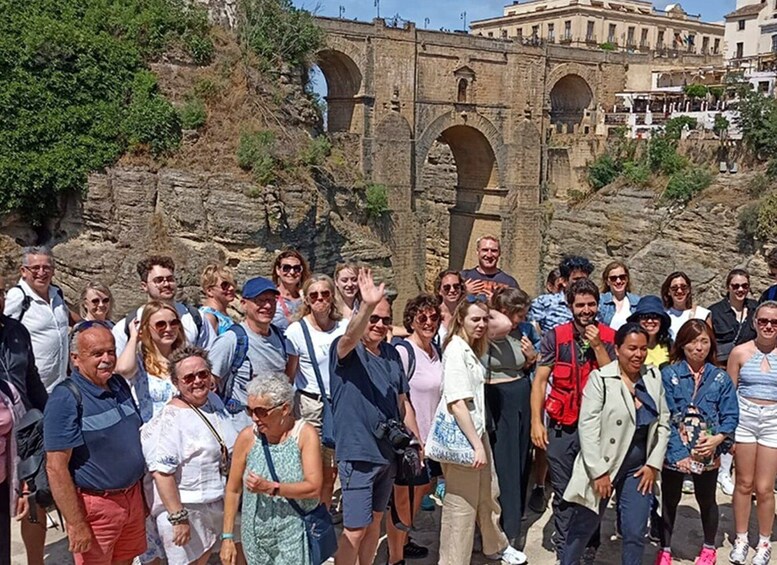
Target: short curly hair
x,y
418,304
572,263
144,266
182,354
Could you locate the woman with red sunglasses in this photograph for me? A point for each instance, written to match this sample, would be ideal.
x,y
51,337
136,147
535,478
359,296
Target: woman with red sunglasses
x,y
218,287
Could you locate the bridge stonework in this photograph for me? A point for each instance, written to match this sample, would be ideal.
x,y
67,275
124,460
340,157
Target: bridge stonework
x,y
403,89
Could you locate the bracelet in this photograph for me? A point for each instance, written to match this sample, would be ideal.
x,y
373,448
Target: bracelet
x,y
180,517
227,535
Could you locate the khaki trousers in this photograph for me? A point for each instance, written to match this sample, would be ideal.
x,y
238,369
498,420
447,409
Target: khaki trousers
x,y
470,495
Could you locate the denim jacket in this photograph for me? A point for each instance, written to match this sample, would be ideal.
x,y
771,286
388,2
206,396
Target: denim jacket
x,y
716,399
607,306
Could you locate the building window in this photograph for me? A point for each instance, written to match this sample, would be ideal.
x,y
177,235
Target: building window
x,y
774,43
611,35
462,94
741,25
660,43
551,33
589,31
643,40
504,33
490,34
705,45
763,86
716,48
740,50
568,30
692,43
535,32
519,32
630,36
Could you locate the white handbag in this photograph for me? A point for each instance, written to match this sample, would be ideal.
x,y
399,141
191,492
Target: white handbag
x,y
446,442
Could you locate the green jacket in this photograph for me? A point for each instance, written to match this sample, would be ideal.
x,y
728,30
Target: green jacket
x,y
606,426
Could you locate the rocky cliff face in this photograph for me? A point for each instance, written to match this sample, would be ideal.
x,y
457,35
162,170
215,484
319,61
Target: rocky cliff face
x,y
627,223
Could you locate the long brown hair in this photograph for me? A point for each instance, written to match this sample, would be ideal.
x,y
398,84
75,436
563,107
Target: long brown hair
x,y
666,296
153,361
285,254
611,266
456,327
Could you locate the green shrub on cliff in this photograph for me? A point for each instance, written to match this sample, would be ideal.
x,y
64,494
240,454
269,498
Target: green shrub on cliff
x,y
687,183
256,153
75,92
602,171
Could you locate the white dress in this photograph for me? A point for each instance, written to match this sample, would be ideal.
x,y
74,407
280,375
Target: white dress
x,y
679,317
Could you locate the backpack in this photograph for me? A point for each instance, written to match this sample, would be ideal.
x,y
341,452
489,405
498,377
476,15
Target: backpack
x,y
193,312
407,346
27,300
241,355
32,455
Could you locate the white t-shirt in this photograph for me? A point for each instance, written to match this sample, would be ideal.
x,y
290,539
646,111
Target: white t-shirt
x,y
305,378
47,322
463,376
178,442
679,317
621,314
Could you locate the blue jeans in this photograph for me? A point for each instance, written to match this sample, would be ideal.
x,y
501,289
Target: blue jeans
x,y
633,510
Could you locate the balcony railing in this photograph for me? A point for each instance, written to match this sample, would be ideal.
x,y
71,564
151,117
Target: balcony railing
x,y
566,39
590,39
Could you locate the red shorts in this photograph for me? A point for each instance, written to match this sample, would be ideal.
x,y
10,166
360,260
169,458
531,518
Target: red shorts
x,y
118,523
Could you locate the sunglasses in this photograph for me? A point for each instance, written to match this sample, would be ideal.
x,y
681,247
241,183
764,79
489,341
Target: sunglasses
x,y
203,375
162,325
743,286
650,317
678,288
324,295
473,298
450,287
39,268
763,322
84,325
423,318
226,286
616,278
159,281
374,319
286,268
260,412
98,301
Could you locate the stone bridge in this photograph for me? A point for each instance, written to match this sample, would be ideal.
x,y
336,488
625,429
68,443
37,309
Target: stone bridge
x,y
404,92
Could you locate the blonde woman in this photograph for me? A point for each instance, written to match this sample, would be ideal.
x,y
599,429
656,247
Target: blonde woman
x,y
96,303
308,359
347,285
470,493
218,288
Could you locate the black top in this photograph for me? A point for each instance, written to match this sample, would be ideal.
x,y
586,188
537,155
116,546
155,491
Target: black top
x,y
724,322
17,363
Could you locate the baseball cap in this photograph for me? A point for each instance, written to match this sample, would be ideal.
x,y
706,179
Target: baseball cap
x,y
256,286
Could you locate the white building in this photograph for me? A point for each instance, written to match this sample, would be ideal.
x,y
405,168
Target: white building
x,y
751,33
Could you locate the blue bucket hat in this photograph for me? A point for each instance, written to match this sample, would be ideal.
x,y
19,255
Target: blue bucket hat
x,y
256,286
651,304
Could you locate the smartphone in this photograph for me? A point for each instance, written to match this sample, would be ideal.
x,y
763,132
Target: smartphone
x,y
697,467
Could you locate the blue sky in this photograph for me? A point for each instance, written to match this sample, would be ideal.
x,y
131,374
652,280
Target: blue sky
x,y
447,13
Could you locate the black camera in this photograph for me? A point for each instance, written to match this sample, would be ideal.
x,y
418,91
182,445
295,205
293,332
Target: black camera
x,y
395,433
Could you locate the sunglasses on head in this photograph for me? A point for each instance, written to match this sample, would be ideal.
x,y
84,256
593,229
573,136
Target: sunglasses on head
x,y
286,268
374,319
260,412
743,286
473,298
162,325
84,325
423,318
450,287
315,295
98,301
616,278
189,378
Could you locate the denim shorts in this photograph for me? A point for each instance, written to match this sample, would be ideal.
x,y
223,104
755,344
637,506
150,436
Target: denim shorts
x,y
366,488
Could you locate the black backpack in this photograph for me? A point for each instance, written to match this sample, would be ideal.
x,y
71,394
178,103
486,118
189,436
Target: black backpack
x,y
27,300
404,344
32,455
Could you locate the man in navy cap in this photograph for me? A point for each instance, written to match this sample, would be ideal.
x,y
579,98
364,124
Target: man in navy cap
x,y
252,348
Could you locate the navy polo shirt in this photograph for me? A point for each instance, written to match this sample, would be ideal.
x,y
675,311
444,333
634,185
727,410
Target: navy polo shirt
x,y
365,391
105,440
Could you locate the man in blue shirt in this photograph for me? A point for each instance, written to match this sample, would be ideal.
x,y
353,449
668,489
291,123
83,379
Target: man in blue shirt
x,y
94,459
369,388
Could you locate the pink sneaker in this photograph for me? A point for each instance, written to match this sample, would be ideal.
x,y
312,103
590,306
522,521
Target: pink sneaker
x,y
664,558
708,556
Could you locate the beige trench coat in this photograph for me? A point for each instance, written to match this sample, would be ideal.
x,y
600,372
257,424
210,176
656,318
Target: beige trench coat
x,y
606,426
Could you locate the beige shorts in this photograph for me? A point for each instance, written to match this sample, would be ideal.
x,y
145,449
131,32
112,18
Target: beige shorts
x,y
312,411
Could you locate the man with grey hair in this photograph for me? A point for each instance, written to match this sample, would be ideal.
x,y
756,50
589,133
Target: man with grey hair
x,y
40,306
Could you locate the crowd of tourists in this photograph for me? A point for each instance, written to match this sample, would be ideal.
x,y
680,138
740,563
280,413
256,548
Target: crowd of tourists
x,y
172,432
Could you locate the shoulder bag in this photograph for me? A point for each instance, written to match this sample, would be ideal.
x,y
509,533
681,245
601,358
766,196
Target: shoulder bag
x,y
327,419
226,459
321,534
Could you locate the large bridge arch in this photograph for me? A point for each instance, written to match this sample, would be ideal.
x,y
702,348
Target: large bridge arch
x,y
345,83
571,91
477,200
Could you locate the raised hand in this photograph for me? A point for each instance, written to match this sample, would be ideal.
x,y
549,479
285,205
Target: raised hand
x,y
371,294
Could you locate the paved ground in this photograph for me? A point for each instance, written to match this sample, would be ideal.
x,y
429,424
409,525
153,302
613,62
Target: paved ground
x,y
538,529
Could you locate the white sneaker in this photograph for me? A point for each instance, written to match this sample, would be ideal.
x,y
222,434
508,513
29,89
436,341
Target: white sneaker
x,y
739,551
509,556
725,483
763,554
688,487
